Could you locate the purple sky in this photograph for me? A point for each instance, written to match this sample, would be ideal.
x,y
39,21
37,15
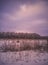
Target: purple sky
x,y
24,16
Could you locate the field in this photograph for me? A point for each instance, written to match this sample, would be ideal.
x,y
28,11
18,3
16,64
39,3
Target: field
x,y
22,55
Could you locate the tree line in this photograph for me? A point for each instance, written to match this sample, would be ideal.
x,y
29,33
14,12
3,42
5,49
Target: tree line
x,y
13,35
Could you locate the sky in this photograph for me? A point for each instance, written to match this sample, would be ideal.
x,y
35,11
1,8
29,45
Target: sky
x,y
24,16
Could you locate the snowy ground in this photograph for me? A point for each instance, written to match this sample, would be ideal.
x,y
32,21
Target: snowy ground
x,y
24,58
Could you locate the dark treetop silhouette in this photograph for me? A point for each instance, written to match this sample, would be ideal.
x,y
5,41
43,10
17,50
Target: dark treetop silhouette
x,y
13,35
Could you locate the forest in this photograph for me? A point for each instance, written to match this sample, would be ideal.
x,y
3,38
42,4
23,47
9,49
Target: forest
x,y
13,35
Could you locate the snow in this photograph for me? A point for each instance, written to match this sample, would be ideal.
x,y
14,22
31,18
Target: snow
x,y
29,57
24,58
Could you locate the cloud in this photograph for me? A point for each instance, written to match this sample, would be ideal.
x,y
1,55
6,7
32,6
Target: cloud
x,y
25,11
25,17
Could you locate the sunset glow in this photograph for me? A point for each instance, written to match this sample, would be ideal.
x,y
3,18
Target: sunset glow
x,y
24,16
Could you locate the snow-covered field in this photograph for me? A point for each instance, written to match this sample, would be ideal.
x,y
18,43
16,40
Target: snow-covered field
x,y
24,58
29,57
